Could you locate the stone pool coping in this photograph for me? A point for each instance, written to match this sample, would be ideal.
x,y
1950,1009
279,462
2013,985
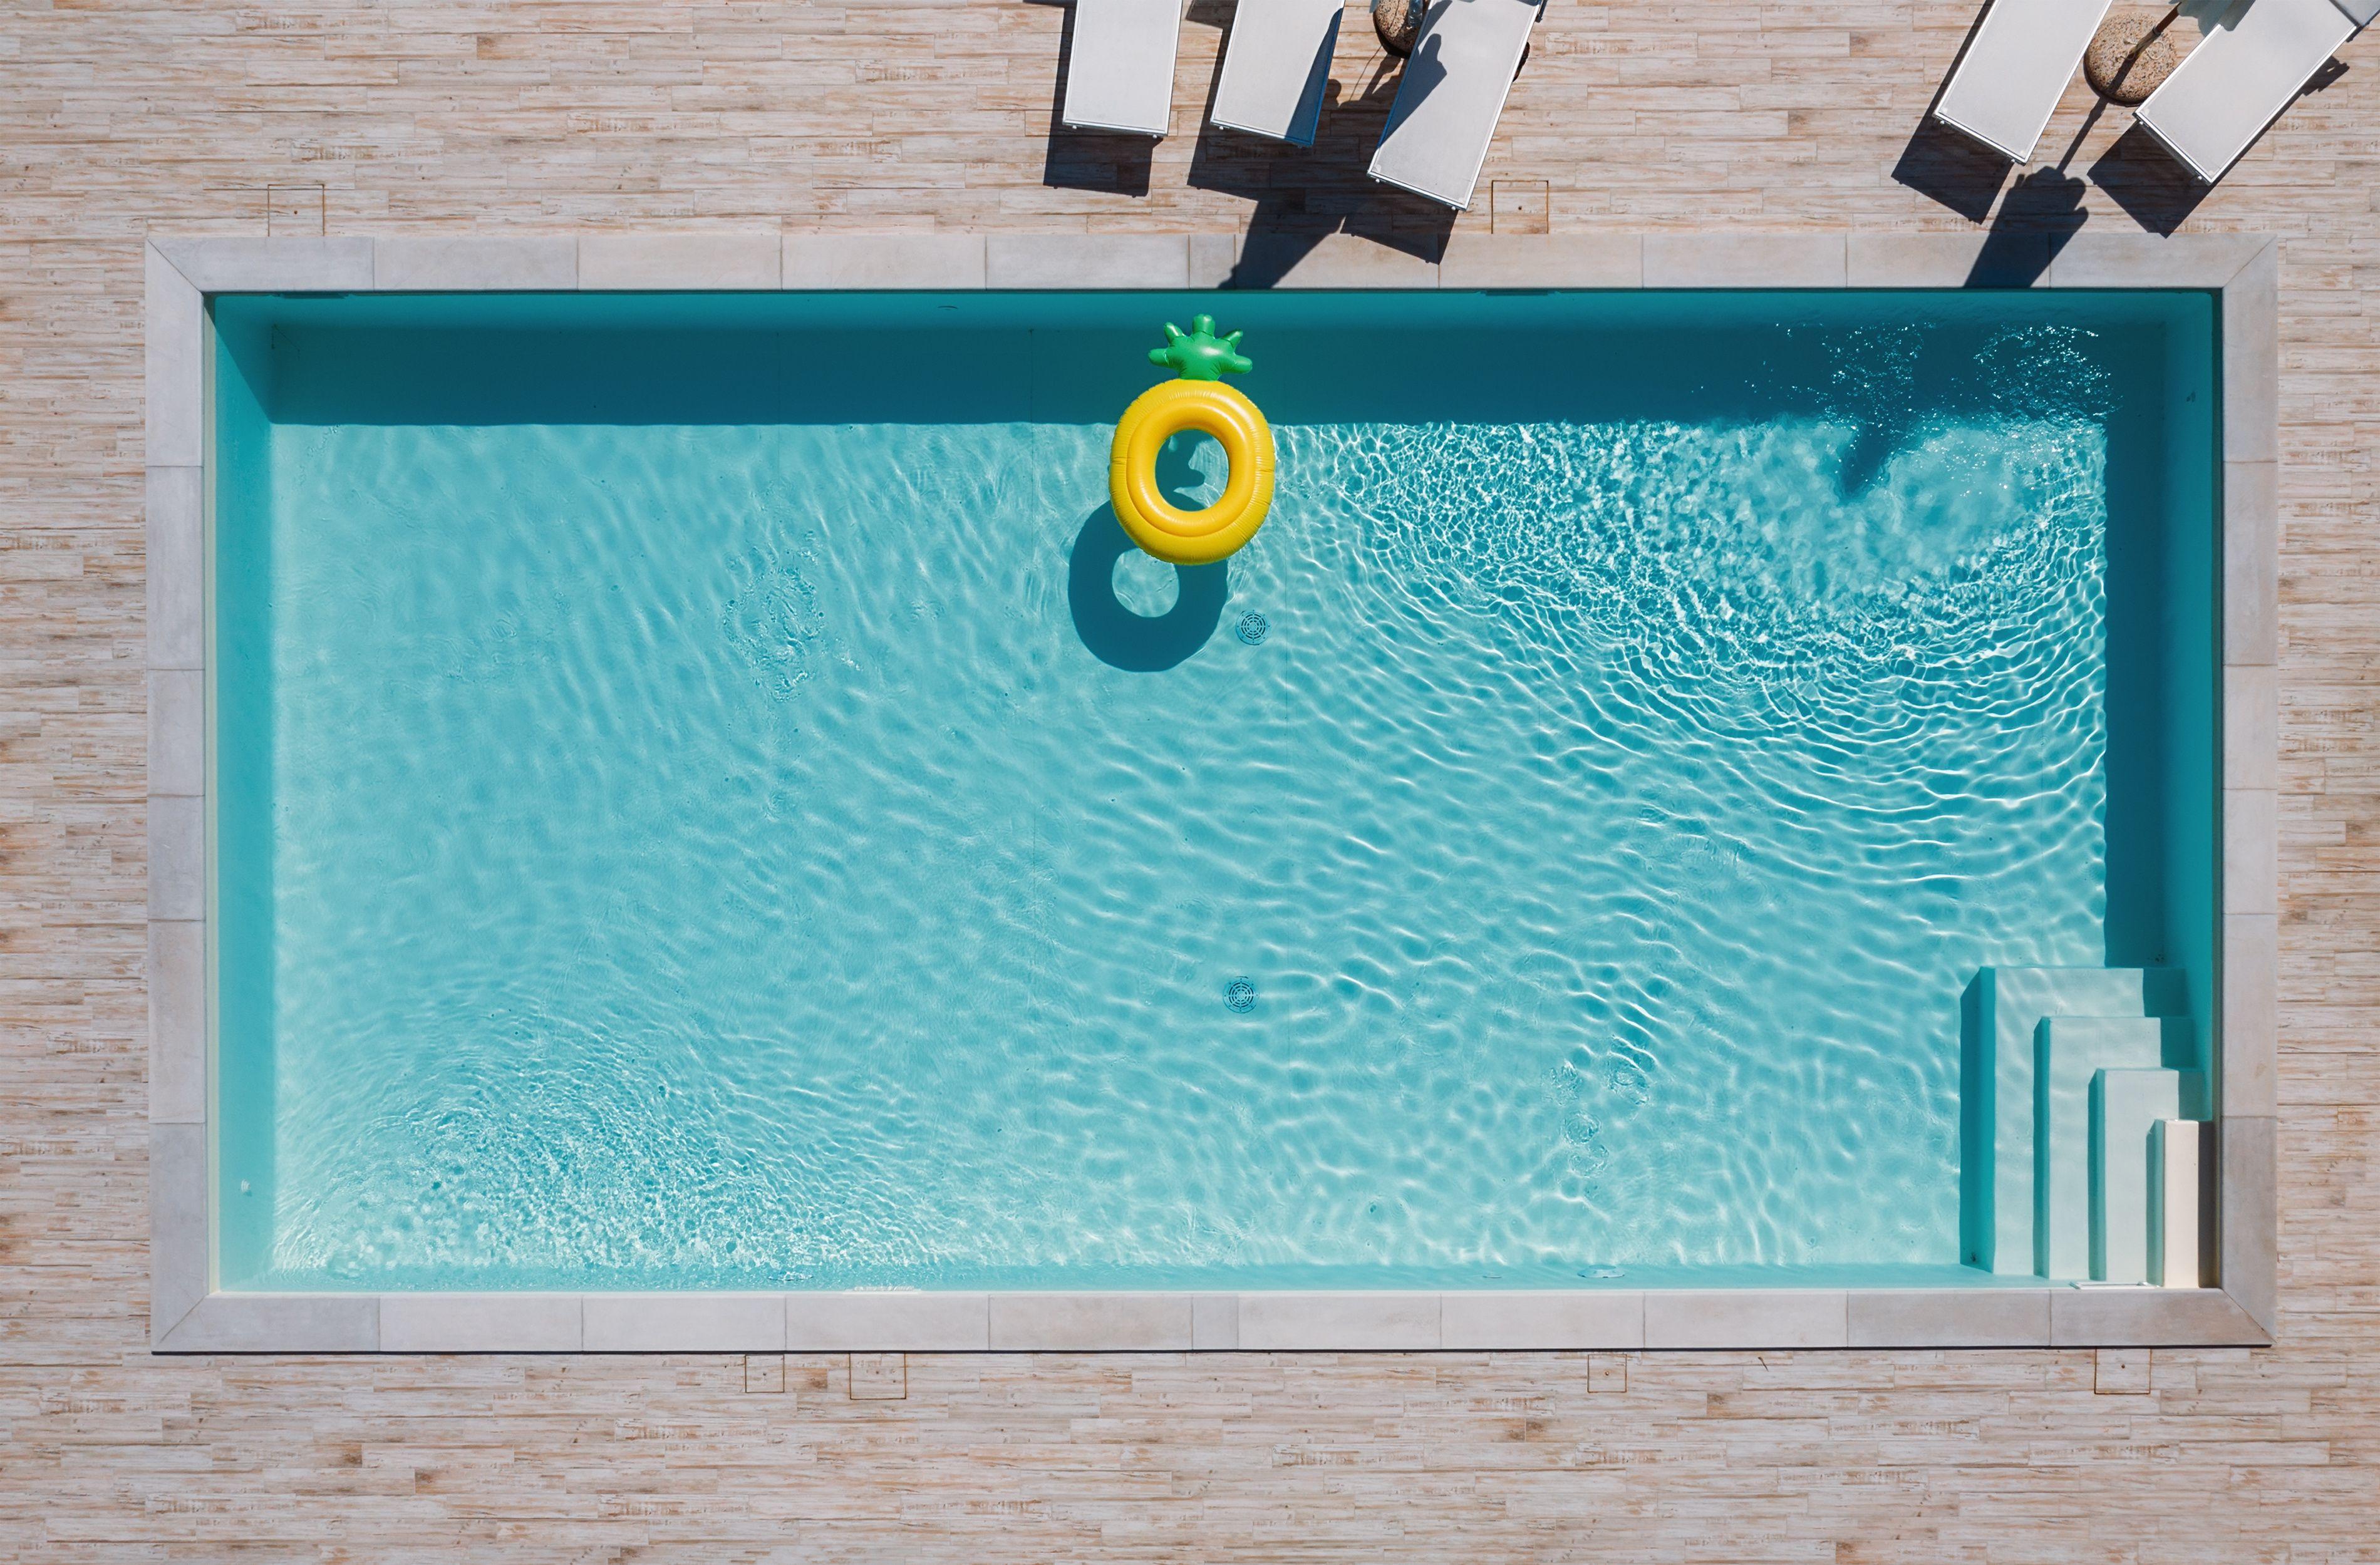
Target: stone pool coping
x,y
188,1314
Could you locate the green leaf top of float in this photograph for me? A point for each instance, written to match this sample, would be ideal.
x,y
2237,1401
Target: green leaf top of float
x,y
1198,354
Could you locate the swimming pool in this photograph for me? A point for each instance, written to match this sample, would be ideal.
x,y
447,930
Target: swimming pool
x,y
704,799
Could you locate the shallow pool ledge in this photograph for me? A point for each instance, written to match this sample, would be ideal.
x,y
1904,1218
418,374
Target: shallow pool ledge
x,y
189,1314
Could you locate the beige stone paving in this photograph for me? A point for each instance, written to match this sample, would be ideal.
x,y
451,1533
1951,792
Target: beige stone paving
x,y
118,121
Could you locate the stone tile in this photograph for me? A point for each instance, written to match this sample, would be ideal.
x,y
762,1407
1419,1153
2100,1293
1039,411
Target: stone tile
x,y
178,1269
919,1323
2252,360
1090,1322
879,1377
1746,1317
2108,258
1542,260
2120,1371
176,567
1946,260
1949,1317
1744,260
2251,850
178,1022
2150,1317
1215,1321
1338,1322
177,731
2252,728
679,261
2248,1225
883,260
2252,562
174,351
764,1373
1087,261
479,1323
278,1323
459,262
1584,1317
272,266
2250,1003
177,845
683,1323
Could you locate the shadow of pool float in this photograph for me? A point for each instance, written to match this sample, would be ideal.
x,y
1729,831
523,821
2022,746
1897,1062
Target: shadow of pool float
x,y
1116,636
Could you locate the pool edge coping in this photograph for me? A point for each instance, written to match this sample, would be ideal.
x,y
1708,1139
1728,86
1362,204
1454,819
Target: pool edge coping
x,y
188,1314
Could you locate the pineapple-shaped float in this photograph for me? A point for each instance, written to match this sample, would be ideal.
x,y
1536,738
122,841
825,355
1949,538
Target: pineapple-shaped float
x,y
1195,399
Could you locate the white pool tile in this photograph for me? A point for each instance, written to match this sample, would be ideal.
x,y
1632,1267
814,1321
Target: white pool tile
x,y
1746,1318
174,343
2251,1002
272,266
2251,727
2251,850
475,262
178,859
1744,260
2252,359
2250,1215
1946,260
480,1323
2097,259
1948,1317
1087,261
178,731
2115,1318
1549,1319
1542,260
680,261
1090,1322
176,567
2252,562
920,1323
884,260
1318,261
1215,1321
178,1022
178,1225
685,1323
1338,1322
278,1323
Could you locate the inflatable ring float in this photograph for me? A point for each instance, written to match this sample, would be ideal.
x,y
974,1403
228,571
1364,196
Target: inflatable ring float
x,y
1198,400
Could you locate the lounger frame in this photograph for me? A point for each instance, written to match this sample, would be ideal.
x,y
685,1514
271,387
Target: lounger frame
x,y
189,1314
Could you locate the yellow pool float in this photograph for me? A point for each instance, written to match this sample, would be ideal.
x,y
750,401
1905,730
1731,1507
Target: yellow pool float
x,y
1196,400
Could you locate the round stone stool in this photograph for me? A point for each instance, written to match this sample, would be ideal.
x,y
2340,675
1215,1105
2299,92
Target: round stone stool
x,y
2122,67
1398,24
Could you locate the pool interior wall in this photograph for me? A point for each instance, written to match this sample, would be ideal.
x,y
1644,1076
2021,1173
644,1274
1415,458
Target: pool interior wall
x,y
704,797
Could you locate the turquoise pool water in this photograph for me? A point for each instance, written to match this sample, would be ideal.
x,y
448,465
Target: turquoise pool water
x,y
706,797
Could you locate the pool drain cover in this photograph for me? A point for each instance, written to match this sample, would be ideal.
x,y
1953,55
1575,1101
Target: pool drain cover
x,y
1240,994
1253,626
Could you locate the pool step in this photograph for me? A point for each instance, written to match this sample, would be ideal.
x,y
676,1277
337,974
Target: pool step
x,y
2007,1006
2182,1203
2069,1053
2126,1106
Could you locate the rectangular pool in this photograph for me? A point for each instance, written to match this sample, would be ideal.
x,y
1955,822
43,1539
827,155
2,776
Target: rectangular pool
x,y
704,797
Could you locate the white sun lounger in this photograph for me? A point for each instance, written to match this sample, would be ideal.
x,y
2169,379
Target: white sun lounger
x,y
1452,94
2239,78
1119,75
1275,65
2016,68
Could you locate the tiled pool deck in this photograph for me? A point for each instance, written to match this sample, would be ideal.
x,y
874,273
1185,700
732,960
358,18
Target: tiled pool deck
x,y
571,127
188,1316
